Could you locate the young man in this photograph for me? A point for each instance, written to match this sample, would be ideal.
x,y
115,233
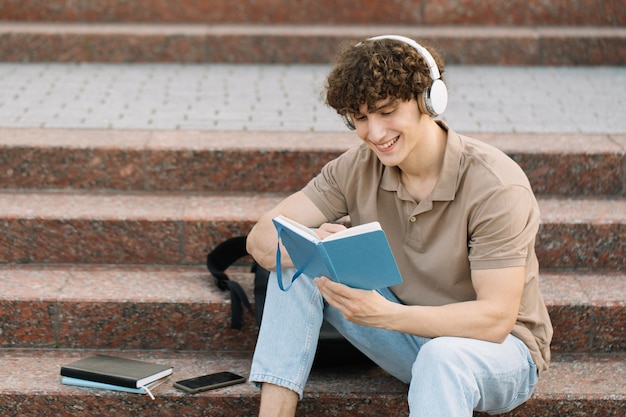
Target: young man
x,y
467,328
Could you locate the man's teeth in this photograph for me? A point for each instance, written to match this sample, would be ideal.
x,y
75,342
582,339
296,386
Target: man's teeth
x,y
388,144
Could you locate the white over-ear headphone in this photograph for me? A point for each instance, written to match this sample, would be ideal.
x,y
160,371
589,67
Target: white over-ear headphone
x,y
435,97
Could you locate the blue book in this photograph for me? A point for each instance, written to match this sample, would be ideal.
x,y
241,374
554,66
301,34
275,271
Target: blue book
x,y
66,380
359,256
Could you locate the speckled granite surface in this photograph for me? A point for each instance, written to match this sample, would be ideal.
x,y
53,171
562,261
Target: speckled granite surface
x,y
150,307
180,229
575,385
113,307
290,44
581,32
232,179
426,12
164,160
112,217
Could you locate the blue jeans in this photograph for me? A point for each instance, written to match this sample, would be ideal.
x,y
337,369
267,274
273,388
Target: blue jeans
x,y
448,376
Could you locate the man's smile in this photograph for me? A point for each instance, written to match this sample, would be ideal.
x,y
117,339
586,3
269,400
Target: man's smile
x,y
386,145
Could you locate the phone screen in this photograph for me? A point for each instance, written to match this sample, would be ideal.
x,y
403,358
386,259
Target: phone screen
x,y
206,382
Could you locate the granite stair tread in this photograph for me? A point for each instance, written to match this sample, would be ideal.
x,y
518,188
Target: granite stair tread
x,y
169,228
70,204
593,382
156,307
567,164
430,12
112,306
302,43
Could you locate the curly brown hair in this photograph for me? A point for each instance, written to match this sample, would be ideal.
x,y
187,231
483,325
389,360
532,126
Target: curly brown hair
x,y
375,70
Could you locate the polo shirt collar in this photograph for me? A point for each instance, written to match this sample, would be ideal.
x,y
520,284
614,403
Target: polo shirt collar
x,y
445,189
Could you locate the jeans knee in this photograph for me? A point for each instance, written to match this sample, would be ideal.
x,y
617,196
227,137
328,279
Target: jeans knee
x,y
442,362
477,375
438,353
441,383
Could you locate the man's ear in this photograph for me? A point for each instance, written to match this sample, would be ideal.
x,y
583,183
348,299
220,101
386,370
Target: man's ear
x,y
421,105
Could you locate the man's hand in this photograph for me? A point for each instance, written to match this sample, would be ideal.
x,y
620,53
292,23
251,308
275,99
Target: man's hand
x,y
328,229
364,307
262,238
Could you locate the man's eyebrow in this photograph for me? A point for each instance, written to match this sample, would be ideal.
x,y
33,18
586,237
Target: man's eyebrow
x,y
387,104
391,102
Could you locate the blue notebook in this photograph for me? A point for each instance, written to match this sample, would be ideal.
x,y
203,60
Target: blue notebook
x,y
359,256
66,380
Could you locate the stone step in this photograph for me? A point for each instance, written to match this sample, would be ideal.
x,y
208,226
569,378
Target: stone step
x,y
412,12
209,161
116,307
294,43
31,386
175,229
180,308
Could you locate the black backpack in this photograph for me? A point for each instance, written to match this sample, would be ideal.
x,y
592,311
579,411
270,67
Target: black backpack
x,y
333,348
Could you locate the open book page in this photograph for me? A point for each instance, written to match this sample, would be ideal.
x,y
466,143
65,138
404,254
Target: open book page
x,y
298,228
354,230
309,234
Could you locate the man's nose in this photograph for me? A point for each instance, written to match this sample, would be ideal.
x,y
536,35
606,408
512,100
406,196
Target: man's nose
x,y
376,130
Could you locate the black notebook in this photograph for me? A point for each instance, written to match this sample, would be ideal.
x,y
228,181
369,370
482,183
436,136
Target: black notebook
x,y
116,371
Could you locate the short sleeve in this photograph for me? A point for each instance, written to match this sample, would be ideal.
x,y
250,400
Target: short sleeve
x,y
327,189
348,185
503,228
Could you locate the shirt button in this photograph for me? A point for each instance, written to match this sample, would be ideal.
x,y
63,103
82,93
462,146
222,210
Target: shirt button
x,y
413,219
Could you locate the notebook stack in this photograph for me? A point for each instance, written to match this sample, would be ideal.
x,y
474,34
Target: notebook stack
x,y
115,373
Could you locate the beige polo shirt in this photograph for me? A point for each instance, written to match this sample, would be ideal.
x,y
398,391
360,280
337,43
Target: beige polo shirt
x,y
482,214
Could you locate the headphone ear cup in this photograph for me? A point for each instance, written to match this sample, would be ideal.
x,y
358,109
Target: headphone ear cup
x,y
347,119
421,102
435,98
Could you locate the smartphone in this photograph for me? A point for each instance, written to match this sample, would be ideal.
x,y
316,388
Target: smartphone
x,y
207,382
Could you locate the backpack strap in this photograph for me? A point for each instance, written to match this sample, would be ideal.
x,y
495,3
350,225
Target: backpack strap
x,y
217,261
261,276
